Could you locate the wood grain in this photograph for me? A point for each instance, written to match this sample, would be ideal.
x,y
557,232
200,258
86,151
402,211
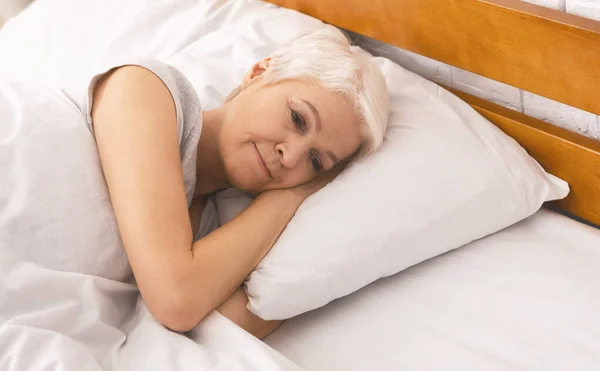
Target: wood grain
x,y
570,156
544,51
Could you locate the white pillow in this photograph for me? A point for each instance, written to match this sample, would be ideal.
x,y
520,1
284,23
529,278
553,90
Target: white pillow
x,y
444,177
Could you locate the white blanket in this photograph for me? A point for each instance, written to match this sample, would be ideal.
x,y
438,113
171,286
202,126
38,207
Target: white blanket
x,y
54,314
524,299
66,301
63,321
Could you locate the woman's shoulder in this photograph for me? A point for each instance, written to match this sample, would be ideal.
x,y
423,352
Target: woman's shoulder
x,y
138,84
142,75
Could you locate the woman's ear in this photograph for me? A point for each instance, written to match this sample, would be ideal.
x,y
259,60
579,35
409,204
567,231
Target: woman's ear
x,y
257,69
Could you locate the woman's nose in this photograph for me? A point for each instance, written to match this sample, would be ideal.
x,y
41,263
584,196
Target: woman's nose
x,y
290,153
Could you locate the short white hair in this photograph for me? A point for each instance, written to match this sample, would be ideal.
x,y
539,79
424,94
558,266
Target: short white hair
x,y
327,57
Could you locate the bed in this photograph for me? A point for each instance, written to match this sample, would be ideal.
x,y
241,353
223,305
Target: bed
x,y
525,298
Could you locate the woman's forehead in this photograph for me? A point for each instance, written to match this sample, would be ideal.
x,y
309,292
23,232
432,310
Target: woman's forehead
x,y
326,102
337,124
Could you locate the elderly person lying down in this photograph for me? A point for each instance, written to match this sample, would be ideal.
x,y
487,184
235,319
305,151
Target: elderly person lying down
x,y
289,128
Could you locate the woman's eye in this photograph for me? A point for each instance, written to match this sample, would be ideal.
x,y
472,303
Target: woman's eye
x,y
298,121
316,163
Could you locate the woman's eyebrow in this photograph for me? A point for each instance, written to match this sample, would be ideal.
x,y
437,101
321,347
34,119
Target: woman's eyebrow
x,y
315,114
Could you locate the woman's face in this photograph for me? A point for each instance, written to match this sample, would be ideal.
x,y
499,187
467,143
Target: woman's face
x,y
284,135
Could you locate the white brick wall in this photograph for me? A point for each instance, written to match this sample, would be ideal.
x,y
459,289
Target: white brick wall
x,y
554,4
533,105
584,8
432,69
557,113
560,114
487,89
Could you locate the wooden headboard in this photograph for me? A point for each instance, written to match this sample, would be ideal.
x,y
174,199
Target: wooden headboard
x,y
546,52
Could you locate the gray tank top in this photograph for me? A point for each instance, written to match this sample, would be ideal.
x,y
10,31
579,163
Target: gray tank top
x,y
189,127
55,208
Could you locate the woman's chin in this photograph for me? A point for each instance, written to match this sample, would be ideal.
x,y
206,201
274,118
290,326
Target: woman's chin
x,y
247,185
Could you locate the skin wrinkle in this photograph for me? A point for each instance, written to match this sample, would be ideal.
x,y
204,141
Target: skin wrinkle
x,y
284,125
258,117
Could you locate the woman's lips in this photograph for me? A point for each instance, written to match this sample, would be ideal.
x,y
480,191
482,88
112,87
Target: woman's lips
x,y
262,162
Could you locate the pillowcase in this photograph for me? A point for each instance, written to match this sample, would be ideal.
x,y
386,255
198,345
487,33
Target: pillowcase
x,y
444,177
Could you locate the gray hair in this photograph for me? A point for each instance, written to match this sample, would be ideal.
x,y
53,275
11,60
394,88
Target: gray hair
x,y
327,58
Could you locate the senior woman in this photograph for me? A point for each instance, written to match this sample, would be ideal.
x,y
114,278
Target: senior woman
x,y
284,133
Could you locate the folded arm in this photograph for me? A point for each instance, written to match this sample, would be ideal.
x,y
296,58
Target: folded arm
x,y
180,281
235,308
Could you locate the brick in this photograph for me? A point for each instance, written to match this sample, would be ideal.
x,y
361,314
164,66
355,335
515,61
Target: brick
x,y
584,8
561,115
594,130
554,4
488,89
426,67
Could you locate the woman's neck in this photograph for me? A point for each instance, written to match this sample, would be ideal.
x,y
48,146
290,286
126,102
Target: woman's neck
x,y
210,170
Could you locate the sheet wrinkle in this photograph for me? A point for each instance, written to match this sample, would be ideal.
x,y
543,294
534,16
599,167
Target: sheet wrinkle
x,y
62,305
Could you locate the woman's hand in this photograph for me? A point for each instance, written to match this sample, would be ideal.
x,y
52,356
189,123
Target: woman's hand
x,y
308,189
180,280
235,308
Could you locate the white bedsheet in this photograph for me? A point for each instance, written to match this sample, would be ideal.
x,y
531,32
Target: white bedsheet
x,y
61,42
526,298
59,320
66,297
65,321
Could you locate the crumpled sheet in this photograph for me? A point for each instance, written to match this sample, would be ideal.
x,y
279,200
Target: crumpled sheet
x,y
65,321
52,315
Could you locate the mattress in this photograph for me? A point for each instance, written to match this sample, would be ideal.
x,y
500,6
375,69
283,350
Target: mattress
x,y
62,319
526,298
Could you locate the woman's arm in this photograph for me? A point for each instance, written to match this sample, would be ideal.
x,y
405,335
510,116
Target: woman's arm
x,y
180,281
235,309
